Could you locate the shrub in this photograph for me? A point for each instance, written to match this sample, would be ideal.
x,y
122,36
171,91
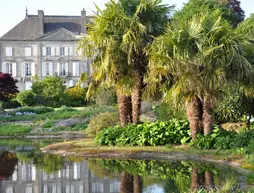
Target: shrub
x,y
26,98
147,134
14,130
75,96
166,111
12,104
37,110
105,96
102,121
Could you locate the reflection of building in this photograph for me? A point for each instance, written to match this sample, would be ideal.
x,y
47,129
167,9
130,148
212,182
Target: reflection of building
x,y
73,178
44,45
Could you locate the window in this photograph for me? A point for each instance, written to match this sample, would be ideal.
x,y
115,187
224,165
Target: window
x,y
47,69
48,51
62,53
9,68
8,51
28,69
28,51
62,69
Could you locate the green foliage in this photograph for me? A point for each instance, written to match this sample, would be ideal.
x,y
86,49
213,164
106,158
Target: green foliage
x,y
14,130
166,111
194,7
37,110
75,96
102,121
146,134
105,96
26,98
221,139
10,104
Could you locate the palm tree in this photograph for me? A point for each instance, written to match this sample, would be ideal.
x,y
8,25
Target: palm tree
x,y
117,38
202,55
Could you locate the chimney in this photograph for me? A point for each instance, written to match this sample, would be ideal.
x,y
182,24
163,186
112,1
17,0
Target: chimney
x,y
83,21
41,21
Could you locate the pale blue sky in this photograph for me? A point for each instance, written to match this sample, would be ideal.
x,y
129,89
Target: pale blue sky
x,y
13,11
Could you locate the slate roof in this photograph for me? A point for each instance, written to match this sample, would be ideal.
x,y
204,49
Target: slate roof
x,y
29,27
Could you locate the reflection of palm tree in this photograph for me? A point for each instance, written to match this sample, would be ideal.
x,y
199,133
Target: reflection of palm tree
x,y
8,161
202,180
131,184
137,184
126,183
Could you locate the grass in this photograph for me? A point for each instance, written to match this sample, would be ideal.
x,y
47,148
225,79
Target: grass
x,y
14,130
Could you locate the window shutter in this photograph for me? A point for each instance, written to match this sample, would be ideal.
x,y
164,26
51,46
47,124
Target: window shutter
x,y
78,69
66,51
23,69
58,51
52,51
3,67
11,51
74,68
14,69
33,69
51,69
44,69
71,51
58,69
66,69
44,51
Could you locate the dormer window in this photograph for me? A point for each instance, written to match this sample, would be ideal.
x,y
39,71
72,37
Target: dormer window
x,y
8,51
48,51
62,51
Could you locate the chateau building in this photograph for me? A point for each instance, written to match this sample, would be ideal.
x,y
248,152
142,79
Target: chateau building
x,y
45,45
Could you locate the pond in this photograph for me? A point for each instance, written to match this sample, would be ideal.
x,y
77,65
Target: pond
x,y
24,169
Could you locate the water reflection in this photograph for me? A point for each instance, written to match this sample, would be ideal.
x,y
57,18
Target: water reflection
x,y
32,172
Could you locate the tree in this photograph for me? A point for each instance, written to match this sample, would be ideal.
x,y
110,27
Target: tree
x,y
7,86
202,55
228,9
117,37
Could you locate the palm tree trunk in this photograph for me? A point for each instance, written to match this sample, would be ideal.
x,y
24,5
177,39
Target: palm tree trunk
x,y
195,180
136,97
194,114
207,118
123,108
137,184
126,183
209,182
129,109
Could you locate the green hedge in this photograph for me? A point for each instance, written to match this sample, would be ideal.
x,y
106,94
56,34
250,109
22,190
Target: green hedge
x,y
14,130
147,134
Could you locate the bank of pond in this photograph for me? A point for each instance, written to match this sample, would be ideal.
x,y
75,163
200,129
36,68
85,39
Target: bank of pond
x,y
24,168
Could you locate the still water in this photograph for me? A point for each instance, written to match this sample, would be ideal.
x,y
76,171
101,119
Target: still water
x,y
24,169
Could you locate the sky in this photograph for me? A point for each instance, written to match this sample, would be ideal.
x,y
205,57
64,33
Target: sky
x,y
13,11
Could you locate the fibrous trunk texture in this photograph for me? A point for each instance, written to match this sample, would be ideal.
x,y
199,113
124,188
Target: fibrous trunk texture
x,y
137,183
194,114
124,111
195,180
207,118
126,183
136,97
209,181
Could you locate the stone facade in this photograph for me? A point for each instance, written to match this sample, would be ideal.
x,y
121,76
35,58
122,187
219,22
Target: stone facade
x,y
41,46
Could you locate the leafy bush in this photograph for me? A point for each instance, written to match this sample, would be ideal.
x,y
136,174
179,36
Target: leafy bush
x,y
75,96
102,121
105,96
147,134
243,139
37,110
166,111
26,98
10,104
14,130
